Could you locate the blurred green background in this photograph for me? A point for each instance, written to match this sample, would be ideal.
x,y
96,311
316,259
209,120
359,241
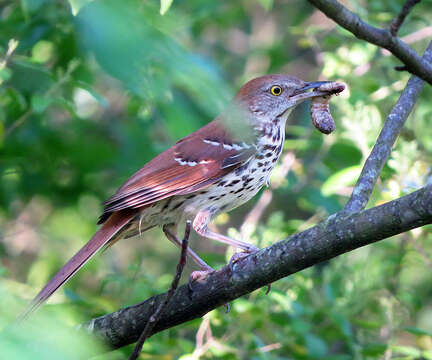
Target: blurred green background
x,y
92,90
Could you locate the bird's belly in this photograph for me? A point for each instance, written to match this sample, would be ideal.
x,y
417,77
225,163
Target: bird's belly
x,y
235,188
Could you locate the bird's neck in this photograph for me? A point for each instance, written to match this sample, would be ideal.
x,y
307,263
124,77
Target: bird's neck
x,y
271,131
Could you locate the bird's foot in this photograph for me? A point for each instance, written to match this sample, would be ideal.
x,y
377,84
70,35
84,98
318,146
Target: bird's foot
x,y
199,275
202,275
241,255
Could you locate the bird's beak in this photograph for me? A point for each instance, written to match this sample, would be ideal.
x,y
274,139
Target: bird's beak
x,y
313,85
303,94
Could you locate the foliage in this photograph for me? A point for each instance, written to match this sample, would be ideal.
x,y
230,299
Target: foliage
x,y
91,90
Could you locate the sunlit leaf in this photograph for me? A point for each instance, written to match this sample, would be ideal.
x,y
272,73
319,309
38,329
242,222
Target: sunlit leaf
x,y
76,5
406,350
345,177
165,5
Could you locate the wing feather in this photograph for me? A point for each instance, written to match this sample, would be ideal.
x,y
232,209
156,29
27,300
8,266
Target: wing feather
x,y
193,163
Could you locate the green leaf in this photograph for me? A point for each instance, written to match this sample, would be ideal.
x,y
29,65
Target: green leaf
x,y
5,74
407,350
266,4
345,177
316,346
39,103
165,5
374,349
417,331
2,133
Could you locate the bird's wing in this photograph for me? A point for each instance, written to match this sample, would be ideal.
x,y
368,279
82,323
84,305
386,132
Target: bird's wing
x,y
193,163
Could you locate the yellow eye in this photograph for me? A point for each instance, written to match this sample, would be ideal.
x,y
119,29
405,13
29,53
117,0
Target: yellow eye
x,y
276,90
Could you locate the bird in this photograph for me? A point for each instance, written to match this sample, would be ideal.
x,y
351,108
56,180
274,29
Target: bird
x,y
214,169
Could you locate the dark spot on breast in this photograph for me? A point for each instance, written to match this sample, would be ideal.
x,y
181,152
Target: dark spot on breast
x,y
239,190
274,160
241,169
249,187
261,179
212,197
266,163
260,164
190,196
221,183
269,155
253,170
259,156
270,147
232,183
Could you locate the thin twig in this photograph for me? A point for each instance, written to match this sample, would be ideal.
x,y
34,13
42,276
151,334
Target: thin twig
x,y
65,77
398,20
382,148
415,36
12,45
381,37
422,252
162,306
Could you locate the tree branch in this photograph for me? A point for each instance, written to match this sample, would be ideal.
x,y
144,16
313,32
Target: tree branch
x,y
414,63
382,148
339,234
398,20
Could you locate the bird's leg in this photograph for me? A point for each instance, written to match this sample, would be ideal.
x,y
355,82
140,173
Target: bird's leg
x,y
200,225
170,231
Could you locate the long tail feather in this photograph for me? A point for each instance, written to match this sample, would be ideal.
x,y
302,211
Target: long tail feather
x,y
107,231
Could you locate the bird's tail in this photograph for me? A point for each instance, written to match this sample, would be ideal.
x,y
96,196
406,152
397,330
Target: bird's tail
x,y
107,231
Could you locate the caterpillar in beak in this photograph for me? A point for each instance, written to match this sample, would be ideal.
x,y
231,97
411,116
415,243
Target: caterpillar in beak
x,y
320,107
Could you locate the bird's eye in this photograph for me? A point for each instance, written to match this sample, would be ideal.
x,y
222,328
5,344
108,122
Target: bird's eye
x,y
276,90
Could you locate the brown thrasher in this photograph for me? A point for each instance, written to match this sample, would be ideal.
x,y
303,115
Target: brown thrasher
x,y
215,169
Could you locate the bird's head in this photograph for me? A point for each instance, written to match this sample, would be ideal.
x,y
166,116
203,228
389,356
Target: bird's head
x,y
273,96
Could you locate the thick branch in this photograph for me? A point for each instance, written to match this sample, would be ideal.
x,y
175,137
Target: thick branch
x,y
382,148
383,38
338,234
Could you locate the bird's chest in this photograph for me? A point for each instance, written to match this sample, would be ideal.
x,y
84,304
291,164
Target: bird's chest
x,y
243,183
232,190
